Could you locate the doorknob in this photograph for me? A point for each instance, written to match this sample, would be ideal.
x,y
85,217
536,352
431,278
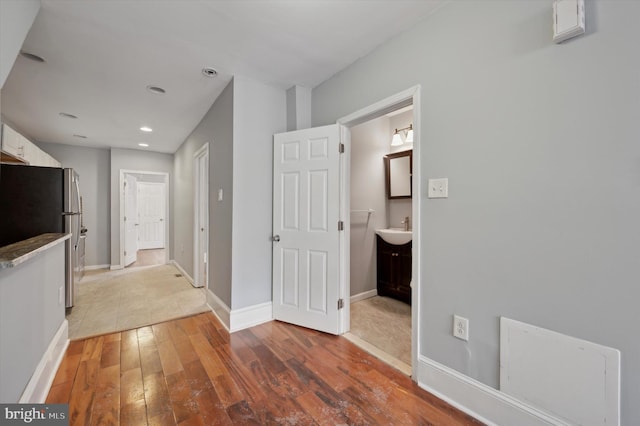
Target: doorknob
x,y
275,238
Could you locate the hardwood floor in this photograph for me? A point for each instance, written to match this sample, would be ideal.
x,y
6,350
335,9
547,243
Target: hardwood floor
x,y
192,372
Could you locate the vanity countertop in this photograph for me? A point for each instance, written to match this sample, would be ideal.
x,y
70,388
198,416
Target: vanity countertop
x,y
17,253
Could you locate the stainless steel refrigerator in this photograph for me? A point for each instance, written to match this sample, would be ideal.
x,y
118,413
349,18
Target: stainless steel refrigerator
x,y
38,200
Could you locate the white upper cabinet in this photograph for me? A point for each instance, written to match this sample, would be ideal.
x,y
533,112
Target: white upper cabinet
x,y
18,146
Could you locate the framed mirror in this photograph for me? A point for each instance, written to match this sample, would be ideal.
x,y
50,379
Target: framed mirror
x,y
398,169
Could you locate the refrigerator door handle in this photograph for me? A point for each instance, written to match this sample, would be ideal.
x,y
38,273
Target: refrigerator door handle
x,y
77,188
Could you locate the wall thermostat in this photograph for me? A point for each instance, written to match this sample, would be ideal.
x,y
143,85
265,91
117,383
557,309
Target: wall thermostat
x,y
568,19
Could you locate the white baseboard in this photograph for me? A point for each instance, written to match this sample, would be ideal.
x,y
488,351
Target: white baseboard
x,y
40,383
219,309
116,267
182,271
364,295
483,402
250,316
239,319
94,267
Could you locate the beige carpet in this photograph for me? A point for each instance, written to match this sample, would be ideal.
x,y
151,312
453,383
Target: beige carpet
x,y
110,301
384,323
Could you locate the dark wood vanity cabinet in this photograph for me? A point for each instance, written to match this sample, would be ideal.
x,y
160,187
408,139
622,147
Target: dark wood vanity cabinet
x,y
394,270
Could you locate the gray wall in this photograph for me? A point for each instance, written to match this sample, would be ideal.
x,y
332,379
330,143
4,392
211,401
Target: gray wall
x,y
540,145
135,160
216,128
30,316
259,111
369,144
93,166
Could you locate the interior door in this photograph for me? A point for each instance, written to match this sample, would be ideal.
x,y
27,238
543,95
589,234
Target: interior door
x,y
306,239
130,220
151,208
201,217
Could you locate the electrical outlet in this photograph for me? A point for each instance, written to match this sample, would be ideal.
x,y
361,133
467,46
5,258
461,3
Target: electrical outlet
x,y
461,328
61,295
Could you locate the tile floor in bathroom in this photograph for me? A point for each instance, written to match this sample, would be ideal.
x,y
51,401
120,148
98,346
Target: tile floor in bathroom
x,y
110,301
382,326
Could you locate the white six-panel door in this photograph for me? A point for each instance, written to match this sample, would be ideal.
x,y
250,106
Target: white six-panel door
x,y
305,228
151,209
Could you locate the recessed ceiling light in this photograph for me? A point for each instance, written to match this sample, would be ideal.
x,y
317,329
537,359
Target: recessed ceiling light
x,y
80,136
146,129
143,144
209,72
67,115
157,90
31,56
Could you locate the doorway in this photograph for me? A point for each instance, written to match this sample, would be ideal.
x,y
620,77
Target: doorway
x,y
292,284
406,98
380,271
144,217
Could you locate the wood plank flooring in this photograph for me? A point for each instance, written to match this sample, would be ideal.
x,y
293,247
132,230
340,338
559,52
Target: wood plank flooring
x,y
192,372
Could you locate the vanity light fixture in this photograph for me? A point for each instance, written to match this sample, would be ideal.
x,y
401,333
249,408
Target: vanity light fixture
x,y
144,145
146,129
409,138
397,139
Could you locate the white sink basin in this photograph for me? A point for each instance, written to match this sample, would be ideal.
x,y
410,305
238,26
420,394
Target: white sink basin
x,y
395,236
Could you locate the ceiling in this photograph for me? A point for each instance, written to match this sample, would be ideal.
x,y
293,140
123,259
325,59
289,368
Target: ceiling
x,y
101,55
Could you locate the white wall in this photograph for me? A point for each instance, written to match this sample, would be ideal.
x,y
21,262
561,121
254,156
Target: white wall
x,y
540,145
259,111
216,128
92,164
369,145
16,18
134,160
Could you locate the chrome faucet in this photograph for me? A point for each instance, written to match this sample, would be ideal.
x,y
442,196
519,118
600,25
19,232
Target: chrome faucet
x,y
405,222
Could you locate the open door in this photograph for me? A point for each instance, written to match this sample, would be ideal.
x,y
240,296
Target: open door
x,y
201,220
306,228
130,220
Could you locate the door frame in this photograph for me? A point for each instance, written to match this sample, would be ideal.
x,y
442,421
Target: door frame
x,y
200,153
402,99
123,173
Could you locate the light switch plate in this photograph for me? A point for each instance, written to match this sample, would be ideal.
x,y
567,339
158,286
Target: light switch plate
x,y
438,188
568,19
220,194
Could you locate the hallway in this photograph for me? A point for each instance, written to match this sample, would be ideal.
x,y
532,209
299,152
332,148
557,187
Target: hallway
x,y
110,301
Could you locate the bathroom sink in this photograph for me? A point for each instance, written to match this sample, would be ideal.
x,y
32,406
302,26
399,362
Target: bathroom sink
x,y
395,236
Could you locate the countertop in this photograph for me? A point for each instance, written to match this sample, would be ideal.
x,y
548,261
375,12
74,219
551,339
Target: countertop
x,y
17,253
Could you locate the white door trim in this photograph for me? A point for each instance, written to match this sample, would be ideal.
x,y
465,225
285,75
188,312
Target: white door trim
x,y
407,97
200,153
167,234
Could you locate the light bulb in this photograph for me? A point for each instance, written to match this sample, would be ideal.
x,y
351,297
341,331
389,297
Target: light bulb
x,y
397,140
409,138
